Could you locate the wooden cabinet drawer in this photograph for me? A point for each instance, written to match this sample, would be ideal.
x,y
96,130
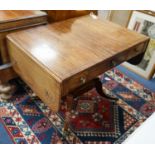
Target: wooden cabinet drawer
x,y
74,82
91,73
87,75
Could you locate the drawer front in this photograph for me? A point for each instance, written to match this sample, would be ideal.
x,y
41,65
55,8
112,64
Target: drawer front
x,y
74,82
85,76
94,71
38,79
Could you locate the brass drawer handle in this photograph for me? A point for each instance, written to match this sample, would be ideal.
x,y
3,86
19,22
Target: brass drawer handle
x,y
83,80
48,95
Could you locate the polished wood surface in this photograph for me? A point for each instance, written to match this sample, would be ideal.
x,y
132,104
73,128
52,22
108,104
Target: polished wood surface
x,y
59,15
12,15
6,73
57,58
11,21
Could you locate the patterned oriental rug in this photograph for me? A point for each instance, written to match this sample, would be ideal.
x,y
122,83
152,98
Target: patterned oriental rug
x,y
26,119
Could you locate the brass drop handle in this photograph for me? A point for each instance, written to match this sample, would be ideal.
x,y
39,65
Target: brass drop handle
x,y
83,80
48,95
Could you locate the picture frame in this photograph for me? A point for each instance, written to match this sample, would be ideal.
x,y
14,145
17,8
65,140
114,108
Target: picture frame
x,y
144,22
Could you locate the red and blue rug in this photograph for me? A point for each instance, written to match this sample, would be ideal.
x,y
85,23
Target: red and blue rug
x,y
26,119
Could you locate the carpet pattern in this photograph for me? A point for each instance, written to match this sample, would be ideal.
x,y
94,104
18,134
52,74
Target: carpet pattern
x,y
26,119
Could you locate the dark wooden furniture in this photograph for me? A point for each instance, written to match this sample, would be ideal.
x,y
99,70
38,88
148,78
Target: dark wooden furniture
x,y
59,15
58,59
11,21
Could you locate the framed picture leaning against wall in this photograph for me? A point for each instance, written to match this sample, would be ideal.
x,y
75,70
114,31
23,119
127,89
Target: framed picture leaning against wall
x,y
144,22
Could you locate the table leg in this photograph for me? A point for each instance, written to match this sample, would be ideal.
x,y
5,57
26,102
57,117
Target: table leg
x,y
136,60
7,73
69,102
6,91
69,98
98,86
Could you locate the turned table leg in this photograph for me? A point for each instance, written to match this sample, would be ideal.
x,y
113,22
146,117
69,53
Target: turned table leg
x,y
69,102
6,89
80,90
98,86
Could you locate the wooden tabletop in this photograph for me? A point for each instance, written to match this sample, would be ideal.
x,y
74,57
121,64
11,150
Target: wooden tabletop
x,y
72,46
16,19
14,15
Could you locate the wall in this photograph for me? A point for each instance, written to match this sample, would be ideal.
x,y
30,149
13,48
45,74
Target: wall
x,y
120,17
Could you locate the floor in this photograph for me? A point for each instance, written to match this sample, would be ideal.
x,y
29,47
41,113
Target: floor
x,y
25,119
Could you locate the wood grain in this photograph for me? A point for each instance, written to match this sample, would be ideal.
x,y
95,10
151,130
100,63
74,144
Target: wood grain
x,y
12,20
6,73
36,77
59,15
71,53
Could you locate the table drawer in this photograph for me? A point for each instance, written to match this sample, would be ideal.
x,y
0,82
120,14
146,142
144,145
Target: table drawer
x,y
85,76
94,71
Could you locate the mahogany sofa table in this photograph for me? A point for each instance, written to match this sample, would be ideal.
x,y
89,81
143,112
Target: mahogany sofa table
x,y
11,21
59,59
